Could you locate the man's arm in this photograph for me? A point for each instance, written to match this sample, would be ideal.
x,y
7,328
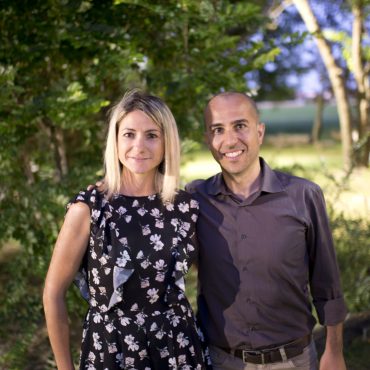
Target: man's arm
x,y
332,358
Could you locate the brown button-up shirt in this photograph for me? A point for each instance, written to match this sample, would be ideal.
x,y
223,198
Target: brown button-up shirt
x,y
264,260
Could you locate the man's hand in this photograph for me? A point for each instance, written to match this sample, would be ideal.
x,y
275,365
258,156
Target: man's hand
x,y
332,358
98,184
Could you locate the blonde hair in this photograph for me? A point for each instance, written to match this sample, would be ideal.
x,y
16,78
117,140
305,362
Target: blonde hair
x,y
167,176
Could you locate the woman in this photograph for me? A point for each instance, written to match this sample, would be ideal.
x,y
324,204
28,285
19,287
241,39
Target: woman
x,y
128,246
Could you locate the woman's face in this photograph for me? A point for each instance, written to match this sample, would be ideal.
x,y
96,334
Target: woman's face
x,y
140,144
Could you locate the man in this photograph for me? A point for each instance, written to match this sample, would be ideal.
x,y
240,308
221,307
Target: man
x,y
265,251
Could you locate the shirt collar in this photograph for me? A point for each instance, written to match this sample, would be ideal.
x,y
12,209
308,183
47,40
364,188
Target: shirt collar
x,y
270,182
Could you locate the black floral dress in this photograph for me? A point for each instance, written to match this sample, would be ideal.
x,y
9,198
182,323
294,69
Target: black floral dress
x,y
133,278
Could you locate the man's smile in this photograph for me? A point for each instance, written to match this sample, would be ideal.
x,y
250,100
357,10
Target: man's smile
x,y
233,154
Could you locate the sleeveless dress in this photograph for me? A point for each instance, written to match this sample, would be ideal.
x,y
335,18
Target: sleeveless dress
x,y
132,275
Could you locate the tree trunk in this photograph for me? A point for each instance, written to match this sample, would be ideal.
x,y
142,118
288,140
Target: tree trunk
x,y
360,76
336,79
57,146
317,123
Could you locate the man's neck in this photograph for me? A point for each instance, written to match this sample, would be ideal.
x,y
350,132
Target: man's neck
x,y
246,184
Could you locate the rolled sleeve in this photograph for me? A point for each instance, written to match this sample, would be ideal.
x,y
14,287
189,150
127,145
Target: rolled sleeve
x,y
323,267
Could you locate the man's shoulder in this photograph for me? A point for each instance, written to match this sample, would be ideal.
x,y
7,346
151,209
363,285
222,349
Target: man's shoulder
x,y
290,181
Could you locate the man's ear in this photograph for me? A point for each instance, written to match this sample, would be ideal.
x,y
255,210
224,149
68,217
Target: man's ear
x,y
261,132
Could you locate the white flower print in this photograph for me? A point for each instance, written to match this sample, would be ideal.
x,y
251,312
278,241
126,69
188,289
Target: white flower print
x,y
140,255
152,197
191,350
152,294
160,265
97,317
112,348
145,264
129,361
102,290
170,206
145,230
143,353
154,327
182,340
163,352
95,215
134,307
132,344
97,344
91,357
95,274
103,260
175,241
155,213
141,211
194,204
175,222
190,248
135,203
182,266
156,241
123,241
124,321
140,319
122,261
182,359
160,276
121,211
107,270
194,217
109,327
175,320
160,334
172,363
91,367
159,223
183,207
128,218
119,312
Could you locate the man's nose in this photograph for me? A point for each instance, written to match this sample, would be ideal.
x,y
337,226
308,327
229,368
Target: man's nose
x,y
230,138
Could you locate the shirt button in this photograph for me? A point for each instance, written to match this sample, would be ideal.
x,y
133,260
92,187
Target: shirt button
x,y
243,236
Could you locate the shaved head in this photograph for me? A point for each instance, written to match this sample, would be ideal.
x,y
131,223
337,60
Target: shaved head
x,y
229,95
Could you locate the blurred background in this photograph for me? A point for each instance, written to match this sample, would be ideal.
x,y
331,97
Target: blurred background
x,y
63,63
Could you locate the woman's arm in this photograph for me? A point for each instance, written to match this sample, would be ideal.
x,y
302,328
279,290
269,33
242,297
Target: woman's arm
x,y
67,256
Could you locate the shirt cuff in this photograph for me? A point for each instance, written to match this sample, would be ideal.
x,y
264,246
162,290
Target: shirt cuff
x,y
331,312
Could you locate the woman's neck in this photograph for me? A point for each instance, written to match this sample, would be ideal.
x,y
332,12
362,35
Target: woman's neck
x,y
137,184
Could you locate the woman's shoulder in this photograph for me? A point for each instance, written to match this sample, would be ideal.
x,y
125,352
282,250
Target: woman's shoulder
x,y
92,197
184,198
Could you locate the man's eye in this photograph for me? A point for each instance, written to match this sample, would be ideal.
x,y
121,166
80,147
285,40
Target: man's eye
x,y
217,131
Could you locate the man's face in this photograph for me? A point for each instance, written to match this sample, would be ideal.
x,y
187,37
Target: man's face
x,y
233,133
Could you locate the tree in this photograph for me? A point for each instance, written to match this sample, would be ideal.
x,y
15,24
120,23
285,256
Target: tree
x,y
336,75
62,64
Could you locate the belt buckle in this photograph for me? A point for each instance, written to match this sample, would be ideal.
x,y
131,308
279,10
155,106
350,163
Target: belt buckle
x,y
253,353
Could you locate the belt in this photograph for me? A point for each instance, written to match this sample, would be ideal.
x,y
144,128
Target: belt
x,y
269,355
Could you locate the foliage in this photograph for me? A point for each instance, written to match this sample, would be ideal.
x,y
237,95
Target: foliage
x,y
62,64
352,240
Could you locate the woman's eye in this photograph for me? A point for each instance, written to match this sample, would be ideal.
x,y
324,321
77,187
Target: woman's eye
x,y
128,134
